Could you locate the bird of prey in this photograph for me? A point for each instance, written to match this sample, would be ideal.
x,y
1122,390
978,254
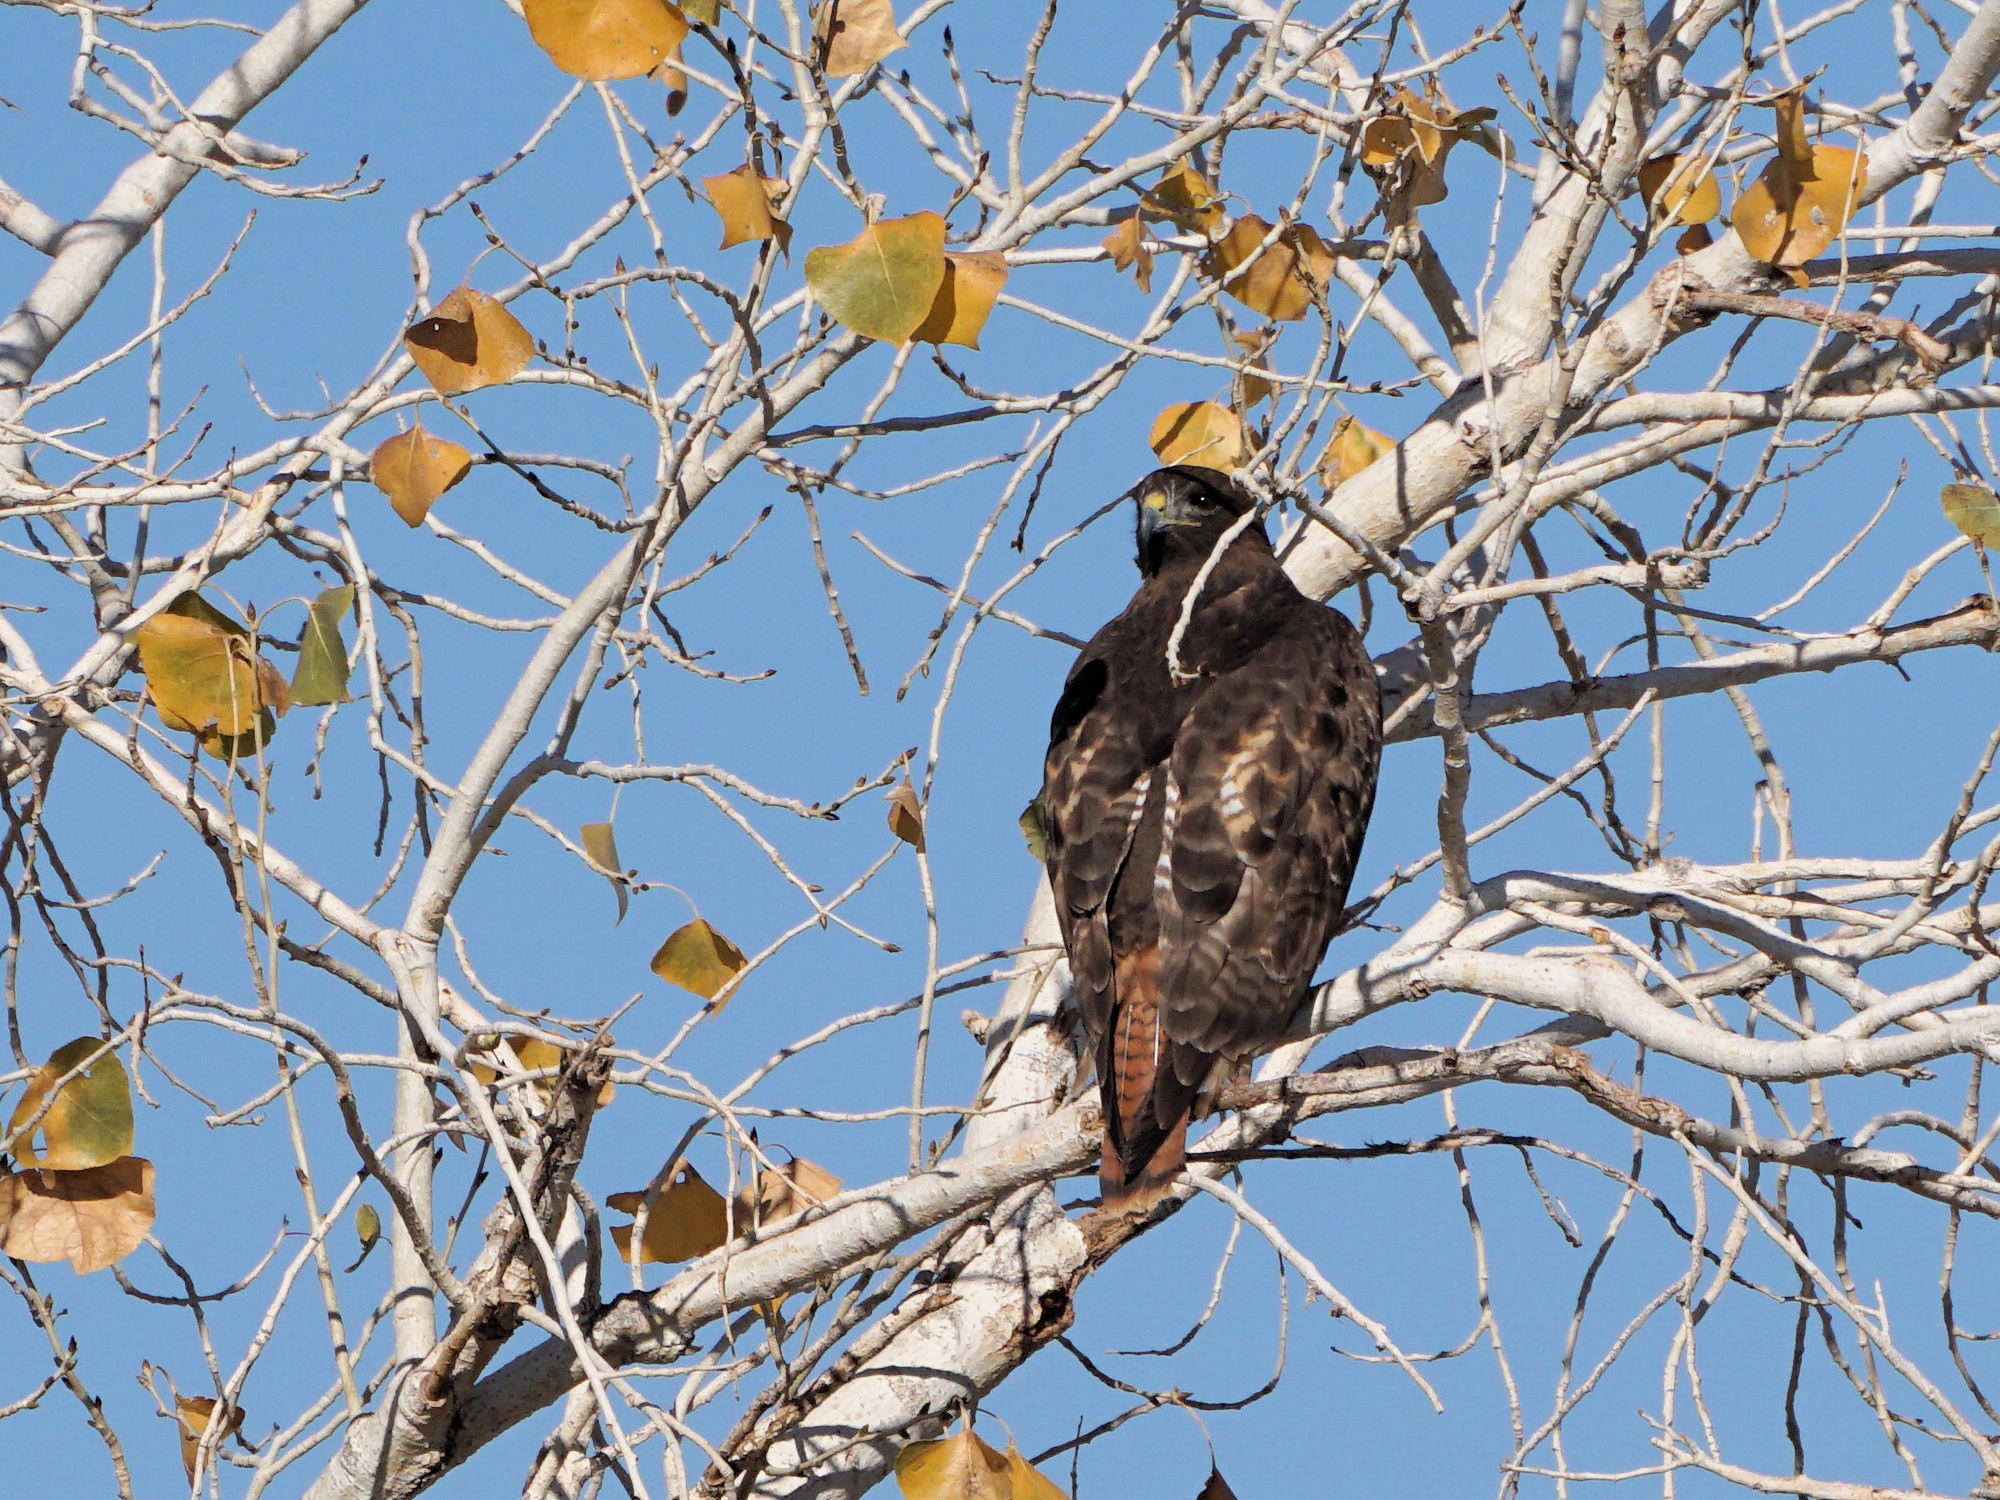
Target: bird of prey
x,y
1203,803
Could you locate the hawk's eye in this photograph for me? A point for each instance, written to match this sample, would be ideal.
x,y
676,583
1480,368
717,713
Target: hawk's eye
x,y
1205,499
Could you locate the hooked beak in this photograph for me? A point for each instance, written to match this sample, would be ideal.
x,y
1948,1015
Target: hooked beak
x,y
1152,513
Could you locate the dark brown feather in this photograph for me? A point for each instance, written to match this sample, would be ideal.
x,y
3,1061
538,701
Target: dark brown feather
x,y
1202,831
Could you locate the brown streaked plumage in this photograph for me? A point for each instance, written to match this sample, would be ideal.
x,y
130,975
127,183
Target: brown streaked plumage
x,y
1201,831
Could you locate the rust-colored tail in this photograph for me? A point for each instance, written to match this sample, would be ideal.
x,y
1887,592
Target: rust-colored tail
x,y
1142,1153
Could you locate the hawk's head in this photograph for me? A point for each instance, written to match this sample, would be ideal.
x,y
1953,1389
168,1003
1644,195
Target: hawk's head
x,y
1183,511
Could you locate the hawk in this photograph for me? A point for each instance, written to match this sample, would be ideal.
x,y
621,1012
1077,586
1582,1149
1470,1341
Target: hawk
x,y
1201,817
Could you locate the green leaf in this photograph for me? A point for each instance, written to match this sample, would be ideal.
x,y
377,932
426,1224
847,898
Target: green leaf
x,y
882,282
89,1124
322,674
1974,510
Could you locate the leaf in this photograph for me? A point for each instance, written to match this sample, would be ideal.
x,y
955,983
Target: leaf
x,y
1217,1487
600,847
1680,189
906,818
1127,244
747,203
1279,281
688,1220
196,1415
699,959
1802,199
708,12
1404,148
413,469
526,1054
1034,831
322,674
1184,198
857,34
89,1122
604,39
783,1192
674,79
367,1229
1351,449
89,1218
959,1467
965,298
1973,509
1200,432
203,674
1255,346
1694,237
1027,1481
470,341
883,282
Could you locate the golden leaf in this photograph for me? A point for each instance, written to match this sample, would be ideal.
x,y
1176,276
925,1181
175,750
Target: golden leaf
x,y
413,469
698,959
1027,1481
196,1415
906,818
965,298
959,1467
1351,449
857,34
782,1192
604,39
688,1220
527,1054
747,203
1680,189
89,1218
708,12
1255,346
1280,280
1694,237
469,341
600,847
884,281
673,77
1127,244
1973,509
204,675
88,1123
1796,208
1404,148
1201,432
1185,198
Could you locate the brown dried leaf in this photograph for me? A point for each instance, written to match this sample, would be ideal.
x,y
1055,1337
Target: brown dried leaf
x,y
965,298
1185,198
747,203
414,469
857,34
1974,510
688,1220
600,847
673,77
88,1123
1281,280
1217,1487
196,1414
469,341
605,39
1127,244
1680,189
1694,237
90,1218
782,1192
1351,449
699,959
906,817
883,282
1201,432
959,1467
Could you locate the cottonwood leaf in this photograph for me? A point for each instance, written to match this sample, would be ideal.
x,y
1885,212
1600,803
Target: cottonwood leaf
x,y
204,676
708,12
1351,448
1034,831
698,959
959,1467
89,1121
906,818
368,1230
747,203
688,1220
1280,280
526,1054
469,341
414,469
1255,347
196,1414
673,77
884,281
1217,1487
1680,189
1975,510
600,847
1029,1482
322,674
965,298
89,1218
1404,148
1184,198
605,39
782,1192
1804,196
1127,244
857,34
1200,432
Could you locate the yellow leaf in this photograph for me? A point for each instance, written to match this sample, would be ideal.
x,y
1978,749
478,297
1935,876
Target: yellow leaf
x,y
1680,189
1279,281
89,1122
782,1192
1694,237
1796,209
203,674
673,77
603,39
965,298
89,1218
883,282
1185,198
197,1415
747,203
688,1220
1127,244
526,1054
469,341
708,12
1351,449
699,959
413,469
1974,510
906,818
1029,1482
857,34
600,847
1255,346
1404,148
959,1467
1200,432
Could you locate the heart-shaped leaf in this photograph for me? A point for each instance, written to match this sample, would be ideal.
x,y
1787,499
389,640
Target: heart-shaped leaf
x,y
469,341
89,1119
204,676
1974,510
857,34
884,281
414,469
687,1220
604,39
747,203
89,1218
322,674
1351,449
1201,432
1279,280
699,959
965,298
959,1467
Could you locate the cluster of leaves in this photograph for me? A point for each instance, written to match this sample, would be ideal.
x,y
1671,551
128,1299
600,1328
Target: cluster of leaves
x,y
80,1195
687,1218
